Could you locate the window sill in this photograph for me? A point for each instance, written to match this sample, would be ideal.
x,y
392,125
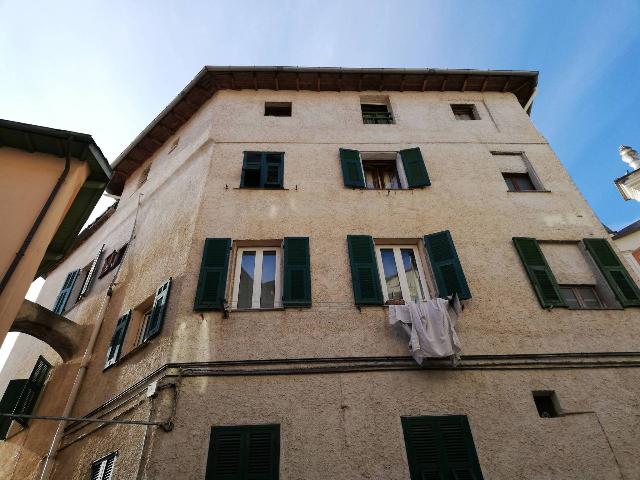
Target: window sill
x,y
259,188
242,310
593,309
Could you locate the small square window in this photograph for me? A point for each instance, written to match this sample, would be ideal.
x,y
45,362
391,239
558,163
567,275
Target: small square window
x,y
376,113
262,170
258,278
401,273
583,297
546,404
277,109
465,111
518,182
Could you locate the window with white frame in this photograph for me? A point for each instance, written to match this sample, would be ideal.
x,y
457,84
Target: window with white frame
x,y
258,278
401,273
144,322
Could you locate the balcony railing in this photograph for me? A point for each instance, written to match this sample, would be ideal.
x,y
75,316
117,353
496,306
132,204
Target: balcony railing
x,y
377,117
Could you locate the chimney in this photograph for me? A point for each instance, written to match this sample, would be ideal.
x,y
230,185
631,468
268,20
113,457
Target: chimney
x,y
630,157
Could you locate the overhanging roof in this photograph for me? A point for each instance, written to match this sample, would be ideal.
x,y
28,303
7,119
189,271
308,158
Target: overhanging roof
x,y
211,79
60,143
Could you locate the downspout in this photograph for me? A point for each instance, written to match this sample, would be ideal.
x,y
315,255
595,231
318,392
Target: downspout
x,y
36,224
50,459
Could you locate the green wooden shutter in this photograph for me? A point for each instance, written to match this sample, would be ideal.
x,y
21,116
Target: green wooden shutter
x,y
9,403
297,272
86,285
619,280
540,275
440,448
119,334
213,274
446,266
252,163
414,168
351,168
158,311
32,389
65,291
249,452
364,270
272,170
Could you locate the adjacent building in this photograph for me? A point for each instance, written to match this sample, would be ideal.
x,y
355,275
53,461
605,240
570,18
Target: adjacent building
x,y
235,324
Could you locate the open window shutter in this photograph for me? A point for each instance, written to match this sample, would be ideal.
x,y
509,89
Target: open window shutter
x,y
103,469
32,388
115,349
251,163
364,270
91,275
619,280
273,170
540,275
446,265
213,274
423,453
351,168
297,272
414,168
9,404
157,312
65,291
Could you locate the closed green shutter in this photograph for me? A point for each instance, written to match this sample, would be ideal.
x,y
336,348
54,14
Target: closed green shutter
x,y
440,448
619,280
213,274
414,168
9,404
157,312
297,272
115,348
250,452
446,266
364,270
65,291
272,170
32,389
351,168
540,275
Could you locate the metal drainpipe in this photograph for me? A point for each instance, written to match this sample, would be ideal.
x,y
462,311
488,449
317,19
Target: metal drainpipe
x,y
73,394
36,224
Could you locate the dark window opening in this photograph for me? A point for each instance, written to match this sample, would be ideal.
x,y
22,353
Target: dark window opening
x,y
262,170
582,297
546,404
112,260
518,182
465,112
376,113
144,176
381,174
277,109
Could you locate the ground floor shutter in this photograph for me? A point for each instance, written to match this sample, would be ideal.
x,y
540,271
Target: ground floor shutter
x,y
297,272
115,348
65,292
158,311
351,168
213,274
539,272
446,265
414,168
364,270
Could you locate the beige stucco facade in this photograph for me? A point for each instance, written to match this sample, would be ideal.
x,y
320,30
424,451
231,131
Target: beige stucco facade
x,y
337,378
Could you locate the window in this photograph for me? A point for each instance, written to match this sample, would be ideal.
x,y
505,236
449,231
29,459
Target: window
x,y
103,469
144,175
581,296
440,447
112,260
257,281
384,170
376,113
546,404
401,274
465,111
244,453
518,182
262,170
277,109
381,174
145,317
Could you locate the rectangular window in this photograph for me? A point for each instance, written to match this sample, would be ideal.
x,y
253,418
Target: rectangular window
x,y
384,170
465,111
517,172
401,273
277,109
112,260
103,469
262,170
518,182
258,278
376,110
145,317
381,174
546,404
581,296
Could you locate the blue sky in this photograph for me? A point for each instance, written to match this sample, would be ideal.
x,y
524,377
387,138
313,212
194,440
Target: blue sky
x,y
107,68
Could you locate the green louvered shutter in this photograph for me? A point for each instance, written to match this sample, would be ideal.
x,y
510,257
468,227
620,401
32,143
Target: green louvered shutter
x,y
540,275
446,266
32,389
86,285
297,272
351,168
158,311
619,280
364,270
440,448
249,452
65,291
119,334
213,274
9,403
414,168
272,170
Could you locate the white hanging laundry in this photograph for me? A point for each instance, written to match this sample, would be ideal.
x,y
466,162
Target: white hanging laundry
x,y
430,326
